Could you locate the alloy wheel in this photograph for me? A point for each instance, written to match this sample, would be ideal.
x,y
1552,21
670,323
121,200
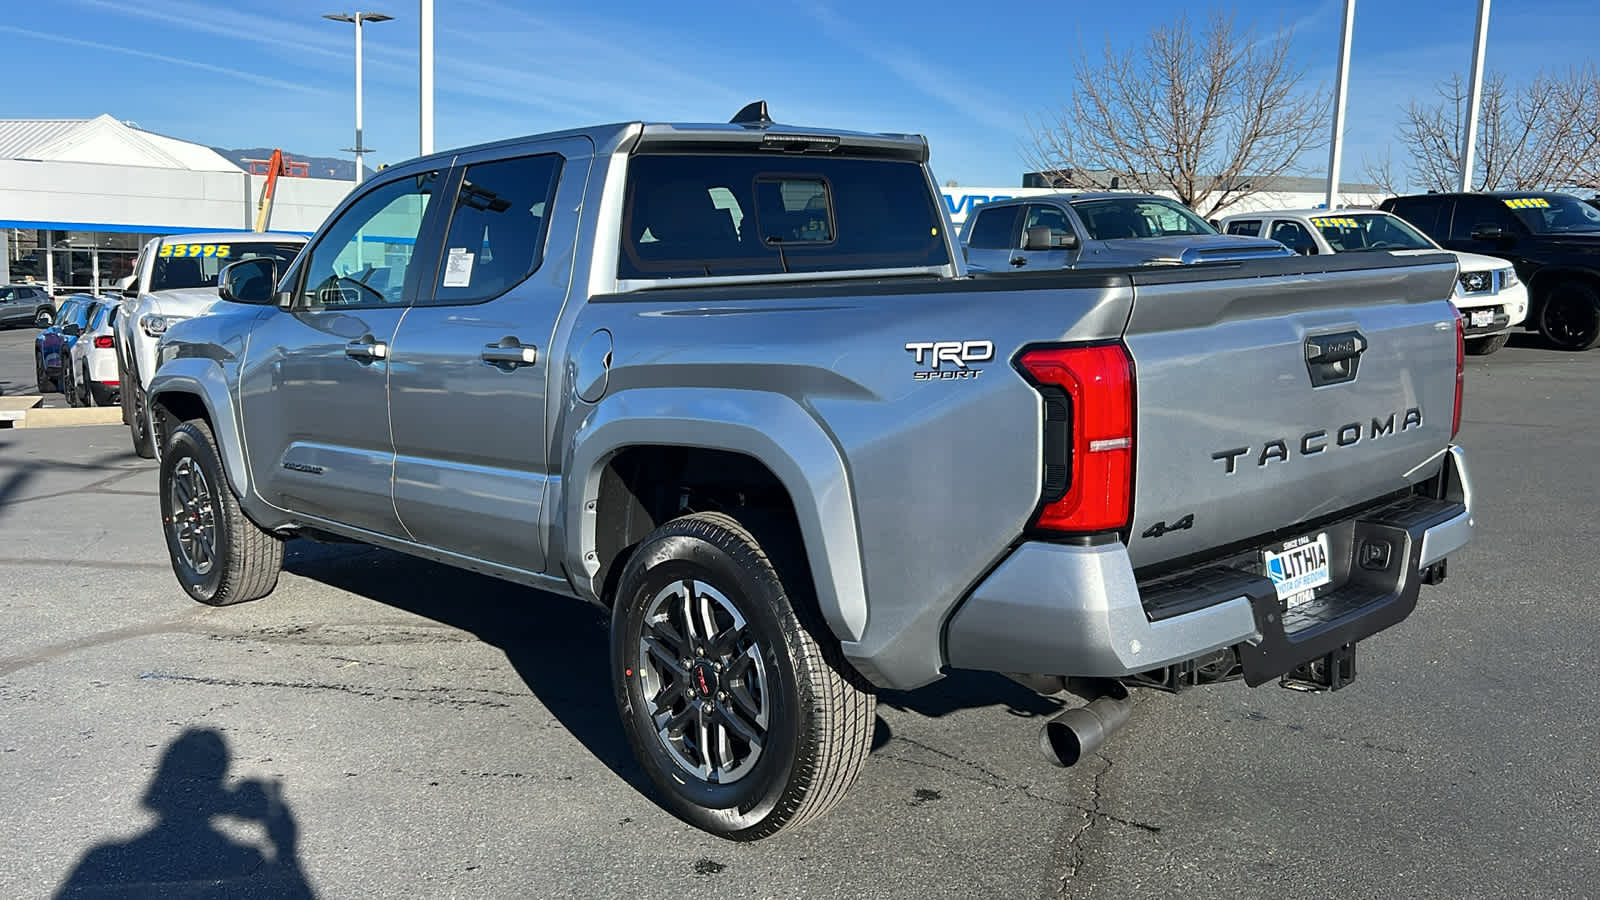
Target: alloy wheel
x,y
193,518
705,682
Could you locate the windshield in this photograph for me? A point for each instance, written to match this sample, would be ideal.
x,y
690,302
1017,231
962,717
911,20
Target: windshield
x,y
185,265
1370,231
1554,213
1138,217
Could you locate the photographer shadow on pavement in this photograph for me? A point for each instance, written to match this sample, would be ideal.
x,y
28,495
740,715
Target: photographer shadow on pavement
x,y
184,854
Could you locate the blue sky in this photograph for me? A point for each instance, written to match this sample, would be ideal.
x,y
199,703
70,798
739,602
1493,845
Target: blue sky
x,y
967,75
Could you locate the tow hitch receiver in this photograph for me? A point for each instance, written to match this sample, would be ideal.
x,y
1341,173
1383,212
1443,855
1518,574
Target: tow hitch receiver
x,y
1329,673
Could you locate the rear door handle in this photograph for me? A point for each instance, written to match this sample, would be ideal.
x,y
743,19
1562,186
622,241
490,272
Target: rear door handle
x,y
367,349
509,354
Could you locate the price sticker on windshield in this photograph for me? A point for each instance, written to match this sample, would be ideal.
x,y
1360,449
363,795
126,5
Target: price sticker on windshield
x,y
1334,222
1527,203
195,251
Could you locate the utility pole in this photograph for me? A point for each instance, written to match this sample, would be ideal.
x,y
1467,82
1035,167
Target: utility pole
x,y
1336,155
425,68
1474,99
359,18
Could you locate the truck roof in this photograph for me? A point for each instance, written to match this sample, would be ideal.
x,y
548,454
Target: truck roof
x,y
1309,213
1082,195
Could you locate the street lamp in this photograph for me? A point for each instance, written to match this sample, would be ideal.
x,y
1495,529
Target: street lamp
x,y
359,18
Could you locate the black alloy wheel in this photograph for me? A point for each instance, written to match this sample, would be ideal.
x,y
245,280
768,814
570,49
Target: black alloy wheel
x,y
69,385
734,696
45,384
218,554
134,413
1569,317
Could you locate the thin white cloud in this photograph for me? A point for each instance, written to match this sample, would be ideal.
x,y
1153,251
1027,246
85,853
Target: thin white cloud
x,y
240,74
946,87
236,26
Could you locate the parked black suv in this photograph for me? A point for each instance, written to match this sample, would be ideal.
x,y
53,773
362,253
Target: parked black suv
x,y
1553,240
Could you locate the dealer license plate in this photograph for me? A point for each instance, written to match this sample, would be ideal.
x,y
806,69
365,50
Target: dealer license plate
x,y
1482,318
1299,568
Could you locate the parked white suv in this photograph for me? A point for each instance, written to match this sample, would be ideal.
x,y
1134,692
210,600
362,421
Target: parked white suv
x,y
1488,292
90,376
174,279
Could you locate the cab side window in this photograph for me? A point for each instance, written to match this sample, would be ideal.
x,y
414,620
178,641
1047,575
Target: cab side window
x,y
1475,212
1247,227
994,229
497,228
363,260
1047,217
1431,215
1294,236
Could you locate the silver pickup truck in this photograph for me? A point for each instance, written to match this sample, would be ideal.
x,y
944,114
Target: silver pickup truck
x,y
733,384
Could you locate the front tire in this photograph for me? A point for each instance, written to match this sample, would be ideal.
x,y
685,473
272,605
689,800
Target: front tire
x,y
219,555
1569,317
133,412
45,384
734,697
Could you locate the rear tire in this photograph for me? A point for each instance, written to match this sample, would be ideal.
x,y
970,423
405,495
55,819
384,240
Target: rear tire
x,y
219,555
1569,316
45,385
44,318
1486,345
69,386
766,726
90,398
133,411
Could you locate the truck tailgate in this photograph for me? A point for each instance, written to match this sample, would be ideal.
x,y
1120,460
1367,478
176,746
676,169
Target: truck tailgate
x,y
1267,399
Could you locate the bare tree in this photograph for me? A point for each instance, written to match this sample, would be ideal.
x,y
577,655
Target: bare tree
x,y
1209,117
1542,134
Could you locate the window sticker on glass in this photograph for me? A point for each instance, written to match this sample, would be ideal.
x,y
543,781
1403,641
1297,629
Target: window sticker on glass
x,y
458,268
1527,203
220,251
1335,222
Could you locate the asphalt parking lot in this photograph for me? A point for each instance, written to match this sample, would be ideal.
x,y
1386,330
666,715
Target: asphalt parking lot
x,y
16,366
382,726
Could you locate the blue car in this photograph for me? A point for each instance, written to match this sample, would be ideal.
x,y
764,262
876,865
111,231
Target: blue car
x,y
53,346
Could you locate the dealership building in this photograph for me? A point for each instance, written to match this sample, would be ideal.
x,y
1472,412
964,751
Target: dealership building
x,y
78,197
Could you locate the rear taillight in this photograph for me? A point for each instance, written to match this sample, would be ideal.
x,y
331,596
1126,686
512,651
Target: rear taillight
x,y
1088,441
103,342
1461,364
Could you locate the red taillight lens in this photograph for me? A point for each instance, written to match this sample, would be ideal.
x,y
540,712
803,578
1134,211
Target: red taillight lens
x,y
103,342
1461,366
1094,383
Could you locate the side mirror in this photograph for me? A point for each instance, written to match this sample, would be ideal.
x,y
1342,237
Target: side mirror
x,y
1486,231
71,329
252,281
1040,237
1306,249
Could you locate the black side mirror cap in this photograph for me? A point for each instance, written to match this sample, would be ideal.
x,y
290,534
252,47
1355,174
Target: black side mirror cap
x,y
71,329
1040,237
253,281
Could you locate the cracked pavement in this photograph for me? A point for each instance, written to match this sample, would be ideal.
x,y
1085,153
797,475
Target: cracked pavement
x,y
400,729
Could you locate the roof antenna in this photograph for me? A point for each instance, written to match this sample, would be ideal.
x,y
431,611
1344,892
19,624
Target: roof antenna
x,y
752,114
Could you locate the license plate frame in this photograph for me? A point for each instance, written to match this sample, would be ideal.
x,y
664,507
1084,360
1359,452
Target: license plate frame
x,y
1298,568
1480,318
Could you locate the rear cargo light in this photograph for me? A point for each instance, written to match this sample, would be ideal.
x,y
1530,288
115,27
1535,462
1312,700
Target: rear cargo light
x,y
1088,441
1461,363
103,342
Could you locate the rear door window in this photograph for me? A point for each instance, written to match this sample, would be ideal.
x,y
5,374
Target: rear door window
x,y
497,228
688,215
1424,213
1248,227
994,229
1473,212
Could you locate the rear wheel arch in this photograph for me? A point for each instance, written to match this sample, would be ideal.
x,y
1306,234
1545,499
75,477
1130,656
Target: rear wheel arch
x,y
768,438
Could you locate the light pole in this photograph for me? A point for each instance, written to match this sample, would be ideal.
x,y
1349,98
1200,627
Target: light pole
x,y
359,18
425,69
1469,141
1336,152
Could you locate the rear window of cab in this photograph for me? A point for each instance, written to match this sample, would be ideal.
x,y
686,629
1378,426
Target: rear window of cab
x,y
698,215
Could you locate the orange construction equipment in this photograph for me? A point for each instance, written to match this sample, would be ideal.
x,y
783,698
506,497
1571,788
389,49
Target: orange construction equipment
x,y
279,164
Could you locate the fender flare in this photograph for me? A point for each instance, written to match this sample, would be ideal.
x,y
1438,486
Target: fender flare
x,y
203,378
770,428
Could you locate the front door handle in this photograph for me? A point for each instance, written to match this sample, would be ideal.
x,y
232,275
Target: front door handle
x,y
367,349
1019,261
509,354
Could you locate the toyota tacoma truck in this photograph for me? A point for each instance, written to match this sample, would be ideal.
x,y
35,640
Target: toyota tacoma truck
x,y
732,383
175,277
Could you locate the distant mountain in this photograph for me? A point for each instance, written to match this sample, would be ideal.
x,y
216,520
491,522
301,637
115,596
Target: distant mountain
x,y
321,166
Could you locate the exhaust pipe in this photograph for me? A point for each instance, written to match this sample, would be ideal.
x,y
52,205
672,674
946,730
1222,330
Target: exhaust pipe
x,y
1070,736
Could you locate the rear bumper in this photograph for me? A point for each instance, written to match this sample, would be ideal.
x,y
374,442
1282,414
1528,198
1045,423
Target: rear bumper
x,y
1054,609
